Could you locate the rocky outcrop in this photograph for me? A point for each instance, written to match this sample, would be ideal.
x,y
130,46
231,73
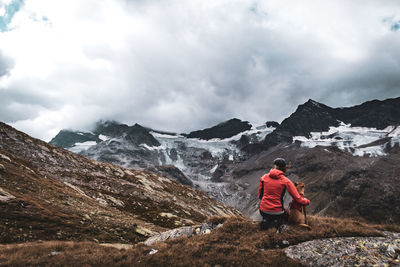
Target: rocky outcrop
x,y
349,251
223,130
186,231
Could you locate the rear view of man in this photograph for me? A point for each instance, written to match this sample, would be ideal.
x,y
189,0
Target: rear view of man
x,y
271,191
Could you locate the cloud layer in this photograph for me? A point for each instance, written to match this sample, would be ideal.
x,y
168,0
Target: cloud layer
x,y
186,65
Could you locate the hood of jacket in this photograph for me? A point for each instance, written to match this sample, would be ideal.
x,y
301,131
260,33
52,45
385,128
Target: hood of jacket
x,y
276,174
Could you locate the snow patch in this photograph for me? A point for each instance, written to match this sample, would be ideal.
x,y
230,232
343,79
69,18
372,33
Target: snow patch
x,y
260,132
352,139
214,169
103,137
159,135
79,147
152,148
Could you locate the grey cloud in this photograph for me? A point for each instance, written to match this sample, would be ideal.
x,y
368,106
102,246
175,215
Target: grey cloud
x,y
17,104
6,64
190,66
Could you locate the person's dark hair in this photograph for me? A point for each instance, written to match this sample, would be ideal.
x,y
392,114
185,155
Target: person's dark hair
x,y
280,163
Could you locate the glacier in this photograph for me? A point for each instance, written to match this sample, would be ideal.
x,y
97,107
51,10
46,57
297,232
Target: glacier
x,y
359,141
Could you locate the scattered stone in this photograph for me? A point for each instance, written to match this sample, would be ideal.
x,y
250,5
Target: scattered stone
x,y
283,228
348,251
197,231
54,253
153,251
4,157
168,215
5,196
205,227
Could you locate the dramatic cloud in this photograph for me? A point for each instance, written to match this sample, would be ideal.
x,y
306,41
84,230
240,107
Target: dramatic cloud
x,y
184,65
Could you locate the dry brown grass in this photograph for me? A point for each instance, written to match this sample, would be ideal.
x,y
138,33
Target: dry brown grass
x,y
238,243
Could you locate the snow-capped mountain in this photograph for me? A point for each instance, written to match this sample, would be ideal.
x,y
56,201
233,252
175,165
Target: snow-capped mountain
x,y
197,154
317,117
227,160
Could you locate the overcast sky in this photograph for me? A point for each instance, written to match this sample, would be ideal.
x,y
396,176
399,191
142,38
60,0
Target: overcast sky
x,y
189,64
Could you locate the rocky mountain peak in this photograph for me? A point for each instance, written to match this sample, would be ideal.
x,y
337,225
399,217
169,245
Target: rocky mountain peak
x,y
138,135
110,128
310,116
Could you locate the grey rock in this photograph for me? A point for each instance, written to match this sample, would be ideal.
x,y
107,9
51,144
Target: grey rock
x,y
348,251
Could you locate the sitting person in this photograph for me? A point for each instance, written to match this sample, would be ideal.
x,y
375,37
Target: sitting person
x,y
271,191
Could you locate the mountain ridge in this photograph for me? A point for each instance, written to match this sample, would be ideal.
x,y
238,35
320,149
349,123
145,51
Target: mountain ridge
x,y
317,117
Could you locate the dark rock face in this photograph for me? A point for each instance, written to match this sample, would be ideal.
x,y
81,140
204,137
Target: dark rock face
x,y
223,130
67,138
375,113
272,124
311,116
343,185
138,135
218,173
110,128
337,183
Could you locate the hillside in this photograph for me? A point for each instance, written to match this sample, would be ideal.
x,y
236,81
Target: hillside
x,y
48,193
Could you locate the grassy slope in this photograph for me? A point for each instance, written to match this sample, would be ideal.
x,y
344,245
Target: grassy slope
x,y
238,243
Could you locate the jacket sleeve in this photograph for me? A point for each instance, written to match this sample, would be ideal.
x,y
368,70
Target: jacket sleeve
x,y
295,195
260,189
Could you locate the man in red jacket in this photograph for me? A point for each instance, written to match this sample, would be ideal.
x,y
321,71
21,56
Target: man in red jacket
x,y
271,191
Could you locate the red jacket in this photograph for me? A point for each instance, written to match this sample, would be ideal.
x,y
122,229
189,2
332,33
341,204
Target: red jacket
x,y
272,188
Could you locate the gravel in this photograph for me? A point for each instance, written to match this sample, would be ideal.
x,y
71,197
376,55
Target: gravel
x,y
349,251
